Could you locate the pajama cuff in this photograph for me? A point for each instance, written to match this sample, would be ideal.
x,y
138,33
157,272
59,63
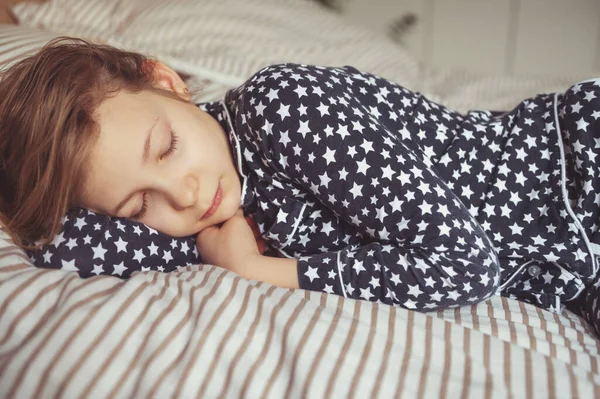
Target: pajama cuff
x,y
320,272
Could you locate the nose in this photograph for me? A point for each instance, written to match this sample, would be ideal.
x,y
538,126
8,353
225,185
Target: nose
x,y
183,192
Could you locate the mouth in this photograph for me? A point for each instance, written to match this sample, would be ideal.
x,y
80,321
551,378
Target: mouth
x,y
216,202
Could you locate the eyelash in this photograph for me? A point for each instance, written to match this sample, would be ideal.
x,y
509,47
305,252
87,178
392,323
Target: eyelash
x,y
142,211
172,148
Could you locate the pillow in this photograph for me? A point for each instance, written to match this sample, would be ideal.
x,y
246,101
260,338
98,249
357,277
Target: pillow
x,y
226,41
17,42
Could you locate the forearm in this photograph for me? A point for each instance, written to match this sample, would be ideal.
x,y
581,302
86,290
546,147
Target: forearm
x,y
281,272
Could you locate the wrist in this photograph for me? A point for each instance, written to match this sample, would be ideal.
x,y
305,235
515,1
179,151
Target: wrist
x,y
282,272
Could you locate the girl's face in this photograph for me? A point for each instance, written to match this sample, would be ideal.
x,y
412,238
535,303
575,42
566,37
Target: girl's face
x,y
161,161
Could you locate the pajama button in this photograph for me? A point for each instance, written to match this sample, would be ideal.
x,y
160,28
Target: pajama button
x,y
534,270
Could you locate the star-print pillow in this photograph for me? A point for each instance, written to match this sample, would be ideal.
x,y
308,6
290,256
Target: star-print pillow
x,y
93,244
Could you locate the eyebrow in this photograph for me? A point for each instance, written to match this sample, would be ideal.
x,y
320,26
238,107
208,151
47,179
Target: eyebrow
x,y
145,156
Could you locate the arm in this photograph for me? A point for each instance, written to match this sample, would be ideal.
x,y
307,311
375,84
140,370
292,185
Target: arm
x,y
94,244
282,272
421,247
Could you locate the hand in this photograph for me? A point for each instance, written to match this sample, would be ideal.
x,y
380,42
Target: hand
x,y
232,246
262,244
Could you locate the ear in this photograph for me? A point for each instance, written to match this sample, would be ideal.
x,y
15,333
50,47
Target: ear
x,y
167,79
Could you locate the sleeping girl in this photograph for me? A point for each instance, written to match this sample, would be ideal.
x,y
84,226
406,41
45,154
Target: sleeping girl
x,y
320,178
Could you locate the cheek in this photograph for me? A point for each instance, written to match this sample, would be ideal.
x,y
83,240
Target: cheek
x,y
167,220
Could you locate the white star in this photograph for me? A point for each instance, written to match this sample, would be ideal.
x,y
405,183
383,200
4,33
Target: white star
x,y
358,266
356,190
410,304
362,167
323,109
153,249
515,228
119,269
388,172
454,295
69,265
437,296
121,245
281,216
520,178
312,273
80,223
366,293
329,156
47,256
304,129
414,290
139,255
59,239
582,124
98,270
99,252
284,110
374,282
72,243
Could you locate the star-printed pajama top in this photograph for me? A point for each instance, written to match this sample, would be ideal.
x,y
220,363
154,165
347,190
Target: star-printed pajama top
x,y
385,196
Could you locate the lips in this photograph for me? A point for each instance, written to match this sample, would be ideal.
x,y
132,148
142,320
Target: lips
x,y
216,202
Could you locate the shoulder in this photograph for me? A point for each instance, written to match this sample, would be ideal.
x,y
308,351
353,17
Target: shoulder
x,y
285,79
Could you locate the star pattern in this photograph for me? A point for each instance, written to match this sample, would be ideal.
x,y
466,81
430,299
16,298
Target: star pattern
x,y
385,196
349,194
93,244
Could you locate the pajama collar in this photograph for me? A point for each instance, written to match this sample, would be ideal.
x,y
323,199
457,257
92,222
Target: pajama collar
x,y
219,111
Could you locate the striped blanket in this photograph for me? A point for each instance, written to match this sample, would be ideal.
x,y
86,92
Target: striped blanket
x,y
205,332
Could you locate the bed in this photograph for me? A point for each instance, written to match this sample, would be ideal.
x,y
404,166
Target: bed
x,y
204,332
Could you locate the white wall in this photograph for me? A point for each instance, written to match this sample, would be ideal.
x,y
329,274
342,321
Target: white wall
x,y
496,36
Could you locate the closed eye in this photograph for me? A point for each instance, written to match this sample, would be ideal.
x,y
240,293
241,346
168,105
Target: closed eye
x,y
172,146
142,212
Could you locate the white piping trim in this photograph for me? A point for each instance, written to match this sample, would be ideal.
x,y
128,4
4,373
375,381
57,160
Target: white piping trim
x,y
284,253
563,186
579,291
559,307
295,226
340,275
237,148
580,287
513,276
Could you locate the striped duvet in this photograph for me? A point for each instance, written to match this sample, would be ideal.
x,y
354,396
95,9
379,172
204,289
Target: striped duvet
x,y
205,332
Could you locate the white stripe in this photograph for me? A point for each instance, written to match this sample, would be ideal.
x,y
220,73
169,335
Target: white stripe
x,y
296,224
563,186
339,267
512,277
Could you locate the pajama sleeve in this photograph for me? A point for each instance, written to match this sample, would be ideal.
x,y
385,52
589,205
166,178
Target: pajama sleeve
x,y
422,249
93,244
